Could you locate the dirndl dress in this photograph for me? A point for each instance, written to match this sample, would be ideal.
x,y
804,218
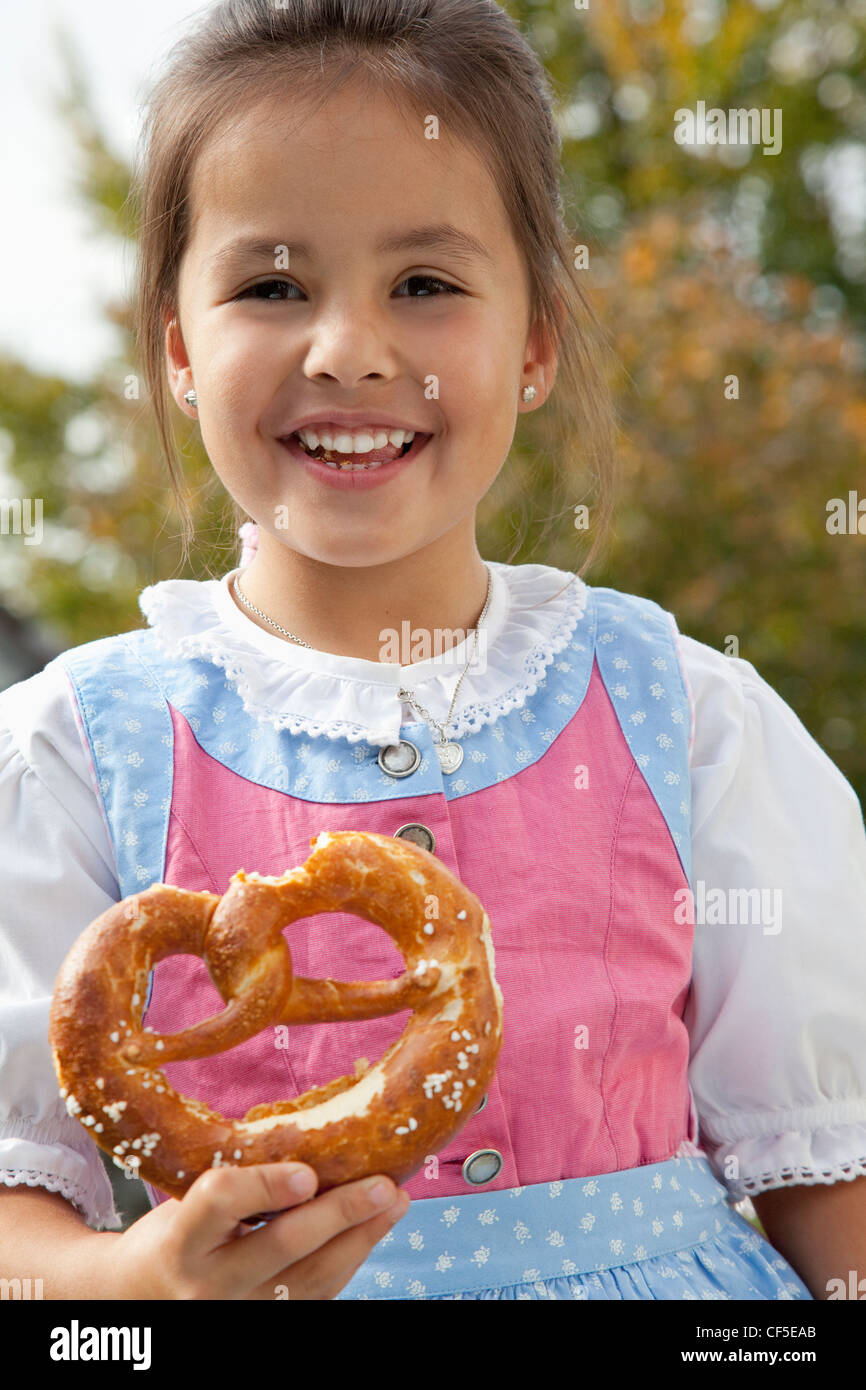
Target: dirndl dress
x,y
569,819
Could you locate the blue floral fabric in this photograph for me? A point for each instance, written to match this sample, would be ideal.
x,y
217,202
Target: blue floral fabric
x,y
661,1231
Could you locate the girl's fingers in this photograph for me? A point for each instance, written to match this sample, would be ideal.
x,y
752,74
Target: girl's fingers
x,y
211,1210
324,1273
259,1257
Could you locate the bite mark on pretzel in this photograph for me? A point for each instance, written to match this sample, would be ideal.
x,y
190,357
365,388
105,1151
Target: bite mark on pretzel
x,y
385,1118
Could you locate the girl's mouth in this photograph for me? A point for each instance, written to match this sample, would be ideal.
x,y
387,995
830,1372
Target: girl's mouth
x,y
329,467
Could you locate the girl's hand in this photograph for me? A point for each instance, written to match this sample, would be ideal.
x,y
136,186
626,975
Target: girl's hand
x,y
196,1248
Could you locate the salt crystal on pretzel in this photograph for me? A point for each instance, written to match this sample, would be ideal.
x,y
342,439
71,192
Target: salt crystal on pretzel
x,y
386,1118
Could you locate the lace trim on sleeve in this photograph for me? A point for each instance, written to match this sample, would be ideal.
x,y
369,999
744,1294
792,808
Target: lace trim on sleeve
x,y
818,1144
56,1153
95,1213
790,1177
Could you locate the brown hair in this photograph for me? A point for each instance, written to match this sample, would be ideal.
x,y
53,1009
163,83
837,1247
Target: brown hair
x,y
465,60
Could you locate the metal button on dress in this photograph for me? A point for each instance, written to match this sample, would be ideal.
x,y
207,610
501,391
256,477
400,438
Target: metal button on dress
x,y
418,834
481,1105
482,1166
399,759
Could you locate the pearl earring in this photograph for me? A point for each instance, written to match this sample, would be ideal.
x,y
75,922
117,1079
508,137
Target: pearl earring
x,y
191,398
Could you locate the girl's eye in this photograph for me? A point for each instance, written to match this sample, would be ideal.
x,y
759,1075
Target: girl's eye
x,y
427,280
264,285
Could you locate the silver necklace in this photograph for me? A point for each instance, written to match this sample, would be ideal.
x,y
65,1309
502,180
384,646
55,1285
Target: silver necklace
x,y
449,753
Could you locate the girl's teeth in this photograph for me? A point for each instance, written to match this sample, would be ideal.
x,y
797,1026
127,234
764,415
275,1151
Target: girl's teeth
x,y
349,449
361,443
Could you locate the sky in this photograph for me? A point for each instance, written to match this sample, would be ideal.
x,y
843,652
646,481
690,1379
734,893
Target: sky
x,y
56,267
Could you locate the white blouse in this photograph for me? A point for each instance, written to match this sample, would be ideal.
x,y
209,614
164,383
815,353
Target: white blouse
x,y
768,806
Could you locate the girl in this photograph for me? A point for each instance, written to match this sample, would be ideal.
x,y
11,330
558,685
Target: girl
x,y
354,274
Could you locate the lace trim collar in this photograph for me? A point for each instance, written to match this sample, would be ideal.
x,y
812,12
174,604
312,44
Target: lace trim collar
x,y
533,612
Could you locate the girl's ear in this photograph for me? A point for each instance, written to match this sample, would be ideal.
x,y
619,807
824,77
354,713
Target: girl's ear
x,y
541,357
177,362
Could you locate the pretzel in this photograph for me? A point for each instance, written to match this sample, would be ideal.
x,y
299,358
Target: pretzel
x,y
385,1118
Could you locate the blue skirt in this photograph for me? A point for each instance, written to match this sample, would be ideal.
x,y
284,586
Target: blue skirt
x,y
661,1231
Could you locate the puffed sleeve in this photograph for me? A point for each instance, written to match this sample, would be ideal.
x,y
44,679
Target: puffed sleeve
x,y
58,875
776,1011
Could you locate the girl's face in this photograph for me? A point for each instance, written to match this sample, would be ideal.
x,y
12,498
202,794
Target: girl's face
x,y
346,325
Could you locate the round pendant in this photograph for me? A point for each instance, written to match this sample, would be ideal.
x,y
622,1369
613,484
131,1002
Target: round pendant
x,y
450,756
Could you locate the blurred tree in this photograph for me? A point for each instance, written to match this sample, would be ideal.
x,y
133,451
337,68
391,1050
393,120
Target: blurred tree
x,y
622,69
708,262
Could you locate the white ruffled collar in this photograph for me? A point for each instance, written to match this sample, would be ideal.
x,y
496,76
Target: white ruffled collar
x,y
325,695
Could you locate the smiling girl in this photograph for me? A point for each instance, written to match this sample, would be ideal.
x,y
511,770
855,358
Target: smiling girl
x,y
354,275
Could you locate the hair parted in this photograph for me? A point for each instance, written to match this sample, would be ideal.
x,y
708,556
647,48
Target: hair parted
x,y
467,62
